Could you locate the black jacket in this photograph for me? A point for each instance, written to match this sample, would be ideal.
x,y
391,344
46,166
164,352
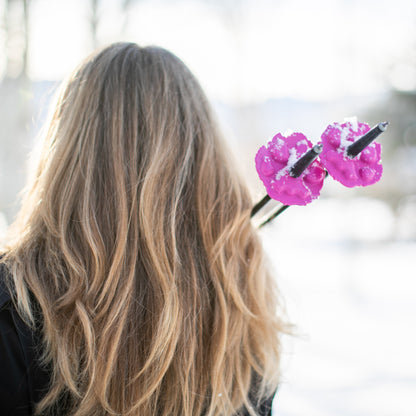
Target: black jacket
x,y
23,381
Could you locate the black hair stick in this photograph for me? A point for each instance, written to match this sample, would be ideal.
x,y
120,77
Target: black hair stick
x,y
260,205
358,146
274,215
305,161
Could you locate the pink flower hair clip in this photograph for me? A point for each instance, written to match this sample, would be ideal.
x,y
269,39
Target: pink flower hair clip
x,y
349,154
292,174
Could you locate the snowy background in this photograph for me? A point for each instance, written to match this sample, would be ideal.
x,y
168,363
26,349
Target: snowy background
x,y
346,263
351,291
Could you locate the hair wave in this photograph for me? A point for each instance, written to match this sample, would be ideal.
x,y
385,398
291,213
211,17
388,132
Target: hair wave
x,y
135,240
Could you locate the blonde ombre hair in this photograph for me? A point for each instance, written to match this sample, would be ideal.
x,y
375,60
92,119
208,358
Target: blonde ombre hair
x,y
135,244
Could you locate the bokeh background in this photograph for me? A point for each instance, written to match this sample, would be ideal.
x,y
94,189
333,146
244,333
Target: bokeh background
x,y
346,263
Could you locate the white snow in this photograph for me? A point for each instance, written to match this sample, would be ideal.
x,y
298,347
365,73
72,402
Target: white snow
x,y
302,142
292,157
291,161
353,121
281,173
350,288
344,134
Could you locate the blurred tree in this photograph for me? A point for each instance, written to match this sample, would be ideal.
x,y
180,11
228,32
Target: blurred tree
x,y
16,24
15,104
126,6
95,16
94,20
399,147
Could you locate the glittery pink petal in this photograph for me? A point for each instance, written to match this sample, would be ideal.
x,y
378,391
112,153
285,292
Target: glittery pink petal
x,y
363,170
273,163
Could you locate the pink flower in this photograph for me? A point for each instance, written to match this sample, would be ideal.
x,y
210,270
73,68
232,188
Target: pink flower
x,y
273,164
363,170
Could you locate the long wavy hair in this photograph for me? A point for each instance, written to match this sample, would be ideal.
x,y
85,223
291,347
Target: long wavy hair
x,y
135,245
